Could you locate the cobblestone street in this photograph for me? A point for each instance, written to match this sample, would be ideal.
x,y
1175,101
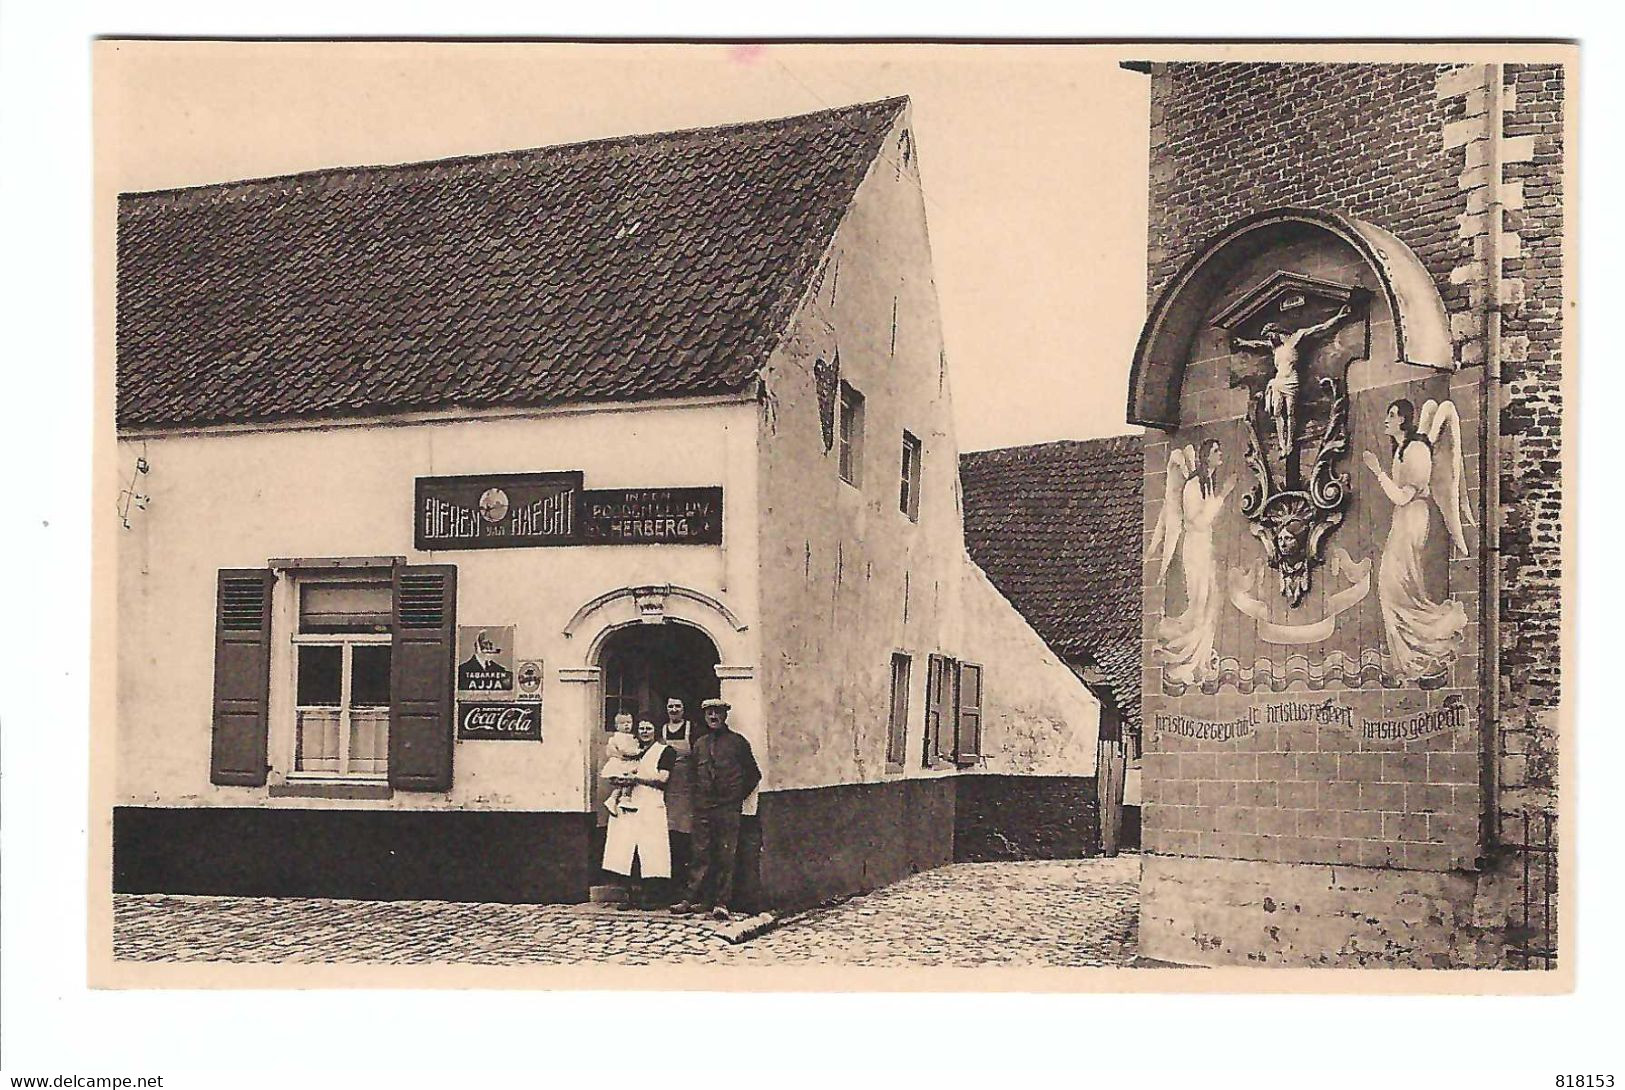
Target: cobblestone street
x,y
1061,913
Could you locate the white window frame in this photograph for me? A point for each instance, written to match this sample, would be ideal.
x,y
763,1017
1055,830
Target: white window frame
x,y
897,731
286,639
347,641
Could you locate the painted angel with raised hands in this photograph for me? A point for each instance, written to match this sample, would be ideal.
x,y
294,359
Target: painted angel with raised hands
x,y
1423,635
1192,500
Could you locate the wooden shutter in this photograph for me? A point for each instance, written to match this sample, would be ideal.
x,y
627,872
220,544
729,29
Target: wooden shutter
x,y
422,666
242,676
933,714
939,709
968,714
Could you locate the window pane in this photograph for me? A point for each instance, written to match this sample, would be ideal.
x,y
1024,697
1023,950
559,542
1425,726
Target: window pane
x,y
369,675
319,676
316,749
369,741
344,607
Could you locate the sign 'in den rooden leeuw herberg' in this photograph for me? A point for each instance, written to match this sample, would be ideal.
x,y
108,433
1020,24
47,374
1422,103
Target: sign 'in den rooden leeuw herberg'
x,y
530,510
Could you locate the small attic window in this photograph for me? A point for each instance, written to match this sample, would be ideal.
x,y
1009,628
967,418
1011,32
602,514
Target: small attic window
x,y
849,435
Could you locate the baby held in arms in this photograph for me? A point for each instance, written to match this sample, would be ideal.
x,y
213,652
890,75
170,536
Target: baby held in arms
x,y
623,761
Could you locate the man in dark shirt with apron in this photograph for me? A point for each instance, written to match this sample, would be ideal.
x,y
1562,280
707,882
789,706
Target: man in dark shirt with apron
x,y
678,733
725,774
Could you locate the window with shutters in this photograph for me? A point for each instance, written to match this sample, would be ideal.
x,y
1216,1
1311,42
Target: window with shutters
x,y
902,669
361,696
849,435
909,496
342,653
953,712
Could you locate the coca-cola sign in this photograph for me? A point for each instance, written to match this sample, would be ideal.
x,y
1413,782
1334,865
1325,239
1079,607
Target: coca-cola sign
x,y
516,722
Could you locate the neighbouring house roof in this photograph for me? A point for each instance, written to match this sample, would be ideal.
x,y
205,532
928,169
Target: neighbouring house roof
x,y
639,267
1057,529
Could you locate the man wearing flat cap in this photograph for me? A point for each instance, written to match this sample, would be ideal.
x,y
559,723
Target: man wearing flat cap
x,y
725,774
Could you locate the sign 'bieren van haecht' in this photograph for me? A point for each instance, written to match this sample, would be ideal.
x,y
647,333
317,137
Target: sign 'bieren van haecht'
x,y
497,510
530,510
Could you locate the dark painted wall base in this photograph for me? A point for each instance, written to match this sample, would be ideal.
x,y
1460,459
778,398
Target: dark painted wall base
x,y
802,848
824,842
384,855
1026,817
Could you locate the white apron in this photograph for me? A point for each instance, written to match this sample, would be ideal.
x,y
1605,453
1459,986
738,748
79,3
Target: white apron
x,y
641,834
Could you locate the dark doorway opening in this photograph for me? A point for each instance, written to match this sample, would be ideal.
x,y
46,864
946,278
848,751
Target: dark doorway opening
x,y
641,667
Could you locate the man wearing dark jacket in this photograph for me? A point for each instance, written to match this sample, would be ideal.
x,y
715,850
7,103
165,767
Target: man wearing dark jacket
x,y
725,774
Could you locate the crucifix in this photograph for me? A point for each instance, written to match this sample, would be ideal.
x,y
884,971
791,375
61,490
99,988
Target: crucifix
x,y
1281,391
1298,496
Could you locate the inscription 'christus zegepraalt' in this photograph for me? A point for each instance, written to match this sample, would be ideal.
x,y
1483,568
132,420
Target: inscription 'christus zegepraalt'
x,y
1453,714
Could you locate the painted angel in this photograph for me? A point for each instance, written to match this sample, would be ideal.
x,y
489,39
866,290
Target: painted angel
x,y
1191,503
1423,635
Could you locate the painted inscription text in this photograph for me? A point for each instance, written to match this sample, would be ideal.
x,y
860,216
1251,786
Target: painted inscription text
x,y
1452,715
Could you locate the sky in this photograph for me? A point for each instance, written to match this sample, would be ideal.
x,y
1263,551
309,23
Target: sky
x,y
1032,161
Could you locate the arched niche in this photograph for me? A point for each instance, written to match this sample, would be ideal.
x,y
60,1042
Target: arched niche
x,y
1404,291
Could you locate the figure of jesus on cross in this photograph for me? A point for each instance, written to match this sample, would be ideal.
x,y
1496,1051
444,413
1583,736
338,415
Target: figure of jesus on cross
x,y
1281,392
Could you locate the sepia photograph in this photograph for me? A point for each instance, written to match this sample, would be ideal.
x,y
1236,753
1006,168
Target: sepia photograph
x,y
1079,516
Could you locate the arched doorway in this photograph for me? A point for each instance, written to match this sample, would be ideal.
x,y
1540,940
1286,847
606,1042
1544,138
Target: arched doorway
x,y
641,665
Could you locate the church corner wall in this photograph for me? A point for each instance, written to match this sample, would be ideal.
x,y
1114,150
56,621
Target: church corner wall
x,y
1314,798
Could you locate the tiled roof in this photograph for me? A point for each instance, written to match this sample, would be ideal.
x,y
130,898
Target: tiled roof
x,y
1057,528
638,267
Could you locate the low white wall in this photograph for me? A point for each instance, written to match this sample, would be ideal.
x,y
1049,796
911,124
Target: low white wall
x,y
1038,718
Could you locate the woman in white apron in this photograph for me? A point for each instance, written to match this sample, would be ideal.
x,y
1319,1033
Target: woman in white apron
x,y
637,843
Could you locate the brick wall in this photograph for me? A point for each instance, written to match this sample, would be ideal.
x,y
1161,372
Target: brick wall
x,y
1531,422
1231,139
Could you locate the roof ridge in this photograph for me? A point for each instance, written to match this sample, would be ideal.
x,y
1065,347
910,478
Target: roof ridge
x,y
136,202
1054,443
